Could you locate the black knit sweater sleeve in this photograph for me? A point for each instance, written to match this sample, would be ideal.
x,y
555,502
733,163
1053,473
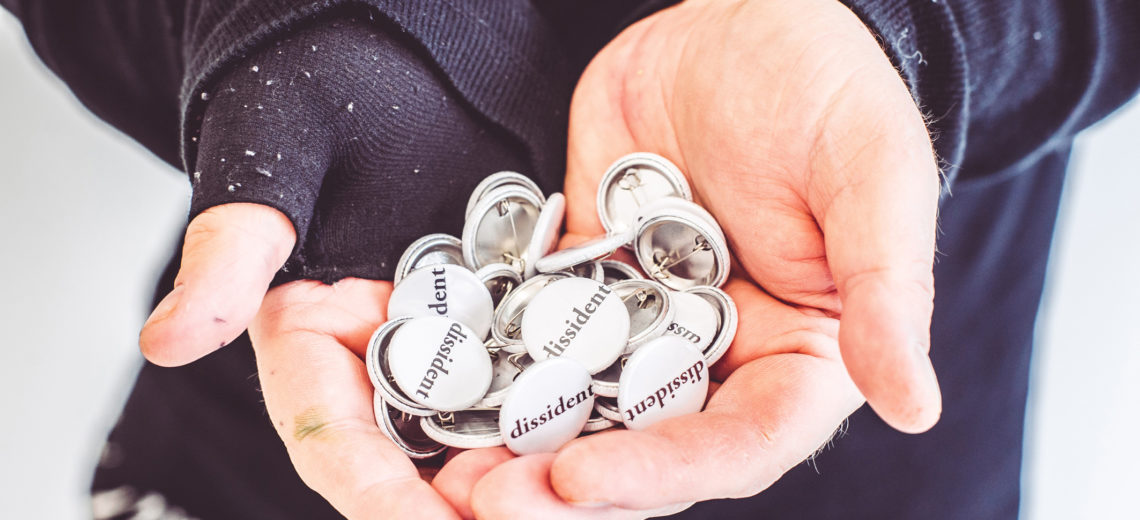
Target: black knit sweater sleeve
x,y
1010,81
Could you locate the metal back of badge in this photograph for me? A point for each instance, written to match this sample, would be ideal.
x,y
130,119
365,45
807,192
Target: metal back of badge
x,y
506,368
634,181
500,280
650,310
376,361
404,430
729,321
592,270
498,180
437,248
500,228
681,246
506,324
616,271
468,429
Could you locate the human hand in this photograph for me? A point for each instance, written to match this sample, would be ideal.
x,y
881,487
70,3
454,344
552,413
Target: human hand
x,y
310,153
801,138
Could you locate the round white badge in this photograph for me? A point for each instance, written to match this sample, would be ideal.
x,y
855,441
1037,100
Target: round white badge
x,y
665,378
588,251
448,290
696,320
581,319
546,232
547,406
440,363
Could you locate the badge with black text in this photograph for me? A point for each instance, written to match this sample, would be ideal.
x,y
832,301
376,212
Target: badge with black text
x,y
440,363
547,406
577,318
451,291
665,378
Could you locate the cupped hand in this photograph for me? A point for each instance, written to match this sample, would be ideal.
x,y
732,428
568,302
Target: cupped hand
x,y
800,137
309,339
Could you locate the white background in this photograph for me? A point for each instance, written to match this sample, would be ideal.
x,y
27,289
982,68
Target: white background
x,y
87,218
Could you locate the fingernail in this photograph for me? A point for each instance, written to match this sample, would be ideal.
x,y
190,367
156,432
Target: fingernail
x,y
166,306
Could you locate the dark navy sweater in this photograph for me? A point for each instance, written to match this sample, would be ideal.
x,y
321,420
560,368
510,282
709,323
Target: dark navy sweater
x,y
484,85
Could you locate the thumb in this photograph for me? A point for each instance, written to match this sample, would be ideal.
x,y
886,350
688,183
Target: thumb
x,y
230,256
879,221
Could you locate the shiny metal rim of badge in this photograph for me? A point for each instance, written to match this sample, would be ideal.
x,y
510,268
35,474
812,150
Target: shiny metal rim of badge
x,y
607,407
500,280
605,383
616,271
547,231
668,245
588,251
376,361
597,422
498,180
729,320
506,323
590,270
505,238
645,177
468,429
676,206
436,248
389,419
505,365
650,310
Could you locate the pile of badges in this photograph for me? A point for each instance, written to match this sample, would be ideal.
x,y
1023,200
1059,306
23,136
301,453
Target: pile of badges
x,y
497,339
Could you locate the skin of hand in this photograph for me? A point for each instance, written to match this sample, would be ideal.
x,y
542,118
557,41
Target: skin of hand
x,y
797,133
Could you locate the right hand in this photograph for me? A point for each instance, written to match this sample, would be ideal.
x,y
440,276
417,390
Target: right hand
x,y
797,133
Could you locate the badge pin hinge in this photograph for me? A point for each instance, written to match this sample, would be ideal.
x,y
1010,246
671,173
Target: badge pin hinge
x,y
631,182
663,264
504,207
643,298
514,360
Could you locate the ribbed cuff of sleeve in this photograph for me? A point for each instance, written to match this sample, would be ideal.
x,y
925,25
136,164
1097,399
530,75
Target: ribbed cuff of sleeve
x,y
923,41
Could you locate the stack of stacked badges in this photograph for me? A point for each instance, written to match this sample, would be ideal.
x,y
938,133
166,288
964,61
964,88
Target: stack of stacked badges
x,y
497,339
